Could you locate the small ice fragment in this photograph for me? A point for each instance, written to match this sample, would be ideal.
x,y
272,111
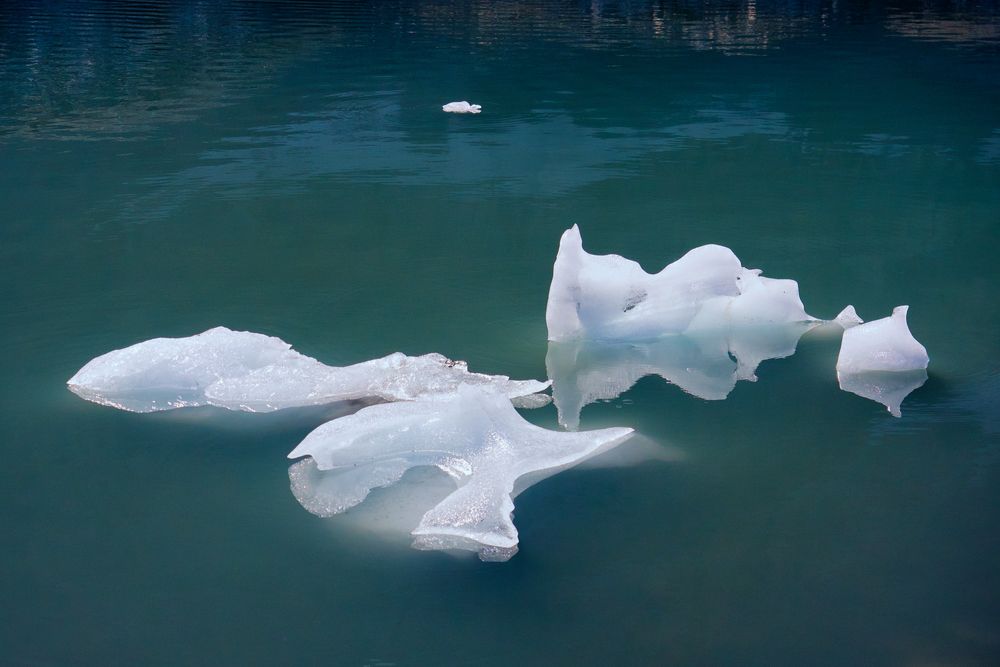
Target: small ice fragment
x,y
475,436
611,298
881,345
848,318
461,107
240,370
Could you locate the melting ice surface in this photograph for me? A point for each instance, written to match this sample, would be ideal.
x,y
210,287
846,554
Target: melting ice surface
x,y
240,370
473,435
881,360
611,298
461,107
705,364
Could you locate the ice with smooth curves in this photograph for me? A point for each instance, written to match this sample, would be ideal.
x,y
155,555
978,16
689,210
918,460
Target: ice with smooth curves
x,y
473,435
241,370
611,298
706,365
882,361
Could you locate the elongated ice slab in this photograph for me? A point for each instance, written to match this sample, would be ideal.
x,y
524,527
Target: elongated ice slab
x,y
461,107
881,345
610,298
882,361
240,370
705,364
475,436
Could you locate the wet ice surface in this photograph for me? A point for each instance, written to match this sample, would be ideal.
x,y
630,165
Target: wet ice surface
x,y
473,435
240,370
611,298
705,364
882,361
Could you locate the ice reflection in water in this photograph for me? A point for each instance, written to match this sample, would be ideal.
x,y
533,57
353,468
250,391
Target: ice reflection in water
x,y
706,365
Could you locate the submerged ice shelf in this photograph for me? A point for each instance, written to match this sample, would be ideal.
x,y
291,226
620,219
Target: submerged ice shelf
x,y
240,370
881,360
611,298
706,364
474,436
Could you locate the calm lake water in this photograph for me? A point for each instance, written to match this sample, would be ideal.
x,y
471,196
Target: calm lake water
x,y
286,168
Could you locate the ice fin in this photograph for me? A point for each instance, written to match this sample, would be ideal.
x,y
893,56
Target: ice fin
x,y
848,318
478,429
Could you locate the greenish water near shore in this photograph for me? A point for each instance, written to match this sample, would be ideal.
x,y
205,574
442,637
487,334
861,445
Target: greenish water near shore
x,y
287,169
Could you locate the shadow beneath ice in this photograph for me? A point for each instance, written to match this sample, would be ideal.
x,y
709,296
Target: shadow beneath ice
x,y
707,364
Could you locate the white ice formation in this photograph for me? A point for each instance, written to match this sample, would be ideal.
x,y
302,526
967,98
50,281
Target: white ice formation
x,y
461,107
474,436
611,298
882,361
240,370
706,365
881,345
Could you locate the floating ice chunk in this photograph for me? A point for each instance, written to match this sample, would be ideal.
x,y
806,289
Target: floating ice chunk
x,y
848,318
461,107
881,360
706,364
608,297
475,436
881,345
240,370
886,387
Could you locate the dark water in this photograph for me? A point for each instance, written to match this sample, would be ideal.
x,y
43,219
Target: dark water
x,y
285,168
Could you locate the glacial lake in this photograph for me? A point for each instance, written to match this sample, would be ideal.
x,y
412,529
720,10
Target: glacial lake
x,y
285,168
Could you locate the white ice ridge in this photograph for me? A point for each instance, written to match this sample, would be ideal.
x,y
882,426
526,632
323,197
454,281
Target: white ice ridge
x,y
475,436
848,318
611,298
882,361
705,364
240,370
461,107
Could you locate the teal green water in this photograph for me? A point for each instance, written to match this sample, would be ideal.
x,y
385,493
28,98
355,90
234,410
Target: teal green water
x,y
285,168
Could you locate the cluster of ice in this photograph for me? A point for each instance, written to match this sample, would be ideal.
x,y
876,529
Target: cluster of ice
x,y
461,107
240,370
474,435
881,360
611,298
704,364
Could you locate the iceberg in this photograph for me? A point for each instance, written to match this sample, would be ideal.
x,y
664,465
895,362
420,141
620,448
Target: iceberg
x,y
848,318
611,298
881,345
881,360
706,364
241,370
474,436
461,107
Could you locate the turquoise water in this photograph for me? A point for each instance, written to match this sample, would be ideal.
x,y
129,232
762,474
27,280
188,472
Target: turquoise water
x,y
285,168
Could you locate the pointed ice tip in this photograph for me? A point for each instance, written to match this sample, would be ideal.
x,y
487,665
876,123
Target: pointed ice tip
x,y
900,312
848,318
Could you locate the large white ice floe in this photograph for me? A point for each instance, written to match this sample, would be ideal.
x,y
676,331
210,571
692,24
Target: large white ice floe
x,y
881,360
461,107
240,370
474,436
611,298
706,365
